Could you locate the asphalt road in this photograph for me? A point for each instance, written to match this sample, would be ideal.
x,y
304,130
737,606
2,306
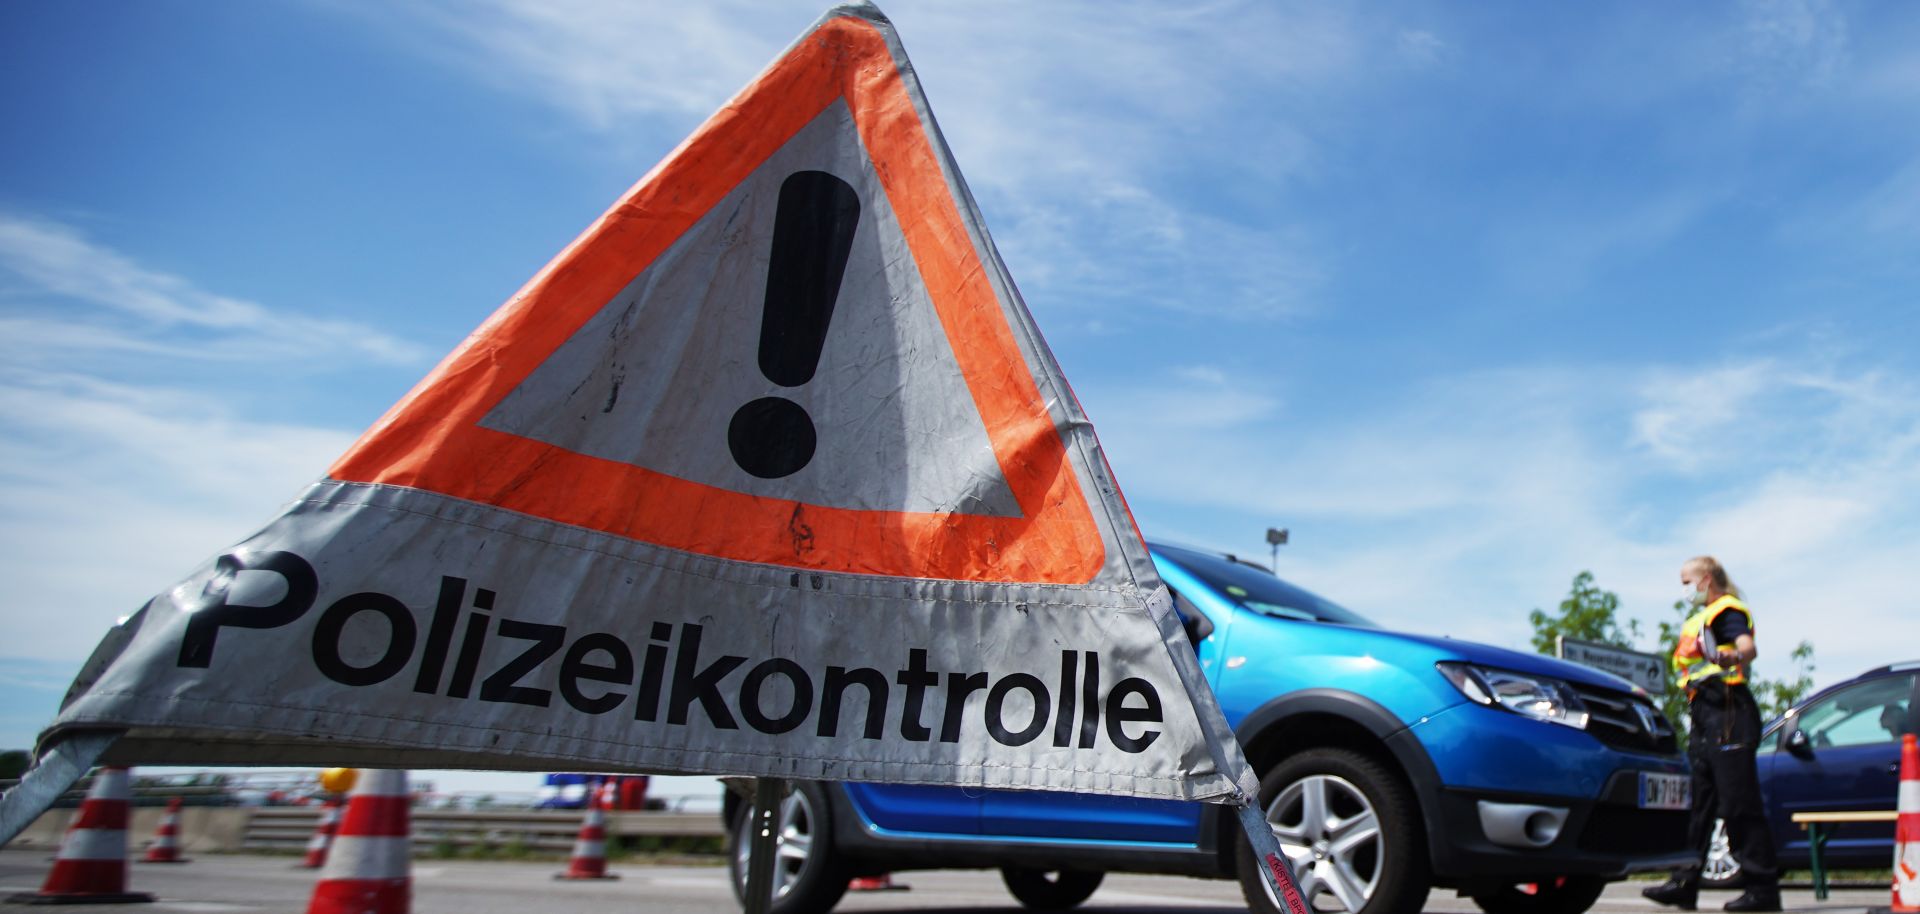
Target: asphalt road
x,y
238,884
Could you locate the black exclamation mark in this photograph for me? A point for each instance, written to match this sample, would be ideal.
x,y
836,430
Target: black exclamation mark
x,y
813,228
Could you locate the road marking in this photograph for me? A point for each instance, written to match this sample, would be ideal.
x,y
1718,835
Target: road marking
x,y
1143,898
689,882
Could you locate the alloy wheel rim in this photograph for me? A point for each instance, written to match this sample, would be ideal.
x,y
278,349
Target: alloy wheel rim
x,y
1720,865
1331,835
792,840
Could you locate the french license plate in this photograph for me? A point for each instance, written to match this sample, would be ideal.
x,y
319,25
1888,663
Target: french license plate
x,y
1664,791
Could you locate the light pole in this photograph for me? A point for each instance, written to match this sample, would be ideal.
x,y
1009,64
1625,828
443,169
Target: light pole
x,y
1276,537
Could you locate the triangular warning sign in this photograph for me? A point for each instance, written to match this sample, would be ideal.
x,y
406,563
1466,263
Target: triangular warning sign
x,y
791,343
769,473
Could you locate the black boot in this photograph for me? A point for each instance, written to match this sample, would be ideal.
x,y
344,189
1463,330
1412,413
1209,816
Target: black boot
x,y
1757,898
1677,892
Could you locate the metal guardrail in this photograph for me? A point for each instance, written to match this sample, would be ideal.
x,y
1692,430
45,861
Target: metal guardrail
x,y
289,828
228,829
198,789
255,789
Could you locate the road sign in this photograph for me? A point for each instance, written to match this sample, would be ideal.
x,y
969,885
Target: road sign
x,y
1648,671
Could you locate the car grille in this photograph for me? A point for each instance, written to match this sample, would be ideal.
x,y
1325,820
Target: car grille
x,y
1626,721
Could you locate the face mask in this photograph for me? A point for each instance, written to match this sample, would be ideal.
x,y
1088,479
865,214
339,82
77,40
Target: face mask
x,y
1690,596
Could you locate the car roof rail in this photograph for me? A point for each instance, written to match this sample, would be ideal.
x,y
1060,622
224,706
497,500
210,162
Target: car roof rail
x,y
1247,562
1204,550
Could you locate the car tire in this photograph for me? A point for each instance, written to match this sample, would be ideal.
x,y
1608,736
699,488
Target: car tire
x,y
1720,871
807,877
1366,854
1562,895
1051,890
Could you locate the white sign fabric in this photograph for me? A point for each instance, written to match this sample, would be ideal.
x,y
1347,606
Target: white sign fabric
x,y
377,625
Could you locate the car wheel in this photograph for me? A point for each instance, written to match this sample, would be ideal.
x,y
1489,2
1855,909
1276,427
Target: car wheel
x,y
1721,870
806,877
1561,895
1051,890
1350,828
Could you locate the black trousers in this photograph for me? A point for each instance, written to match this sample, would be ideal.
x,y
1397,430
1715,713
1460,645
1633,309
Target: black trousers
x,y
1726,785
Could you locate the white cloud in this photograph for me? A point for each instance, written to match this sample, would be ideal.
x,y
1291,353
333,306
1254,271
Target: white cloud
x,y
117,475
1201,400
112,493
1688,413
1890,208
600,60
1075,123
127,307
1564,237
1422,48
1794,42
1478,499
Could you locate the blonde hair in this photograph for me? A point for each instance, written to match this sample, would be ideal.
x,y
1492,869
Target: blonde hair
x,y
1716,573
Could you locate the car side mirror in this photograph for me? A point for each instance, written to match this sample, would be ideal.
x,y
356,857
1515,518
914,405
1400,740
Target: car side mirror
x,y
1196,623
1798,744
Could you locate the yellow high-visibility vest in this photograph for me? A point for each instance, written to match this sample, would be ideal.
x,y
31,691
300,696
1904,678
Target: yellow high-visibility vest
x,y
1693,656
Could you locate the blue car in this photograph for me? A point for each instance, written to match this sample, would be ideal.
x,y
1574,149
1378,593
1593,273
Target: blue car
x,y
1838,751
1390,763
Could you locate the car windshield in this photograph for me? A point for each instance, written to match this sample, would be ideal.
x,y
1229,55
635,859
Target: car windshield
x,y
1258,590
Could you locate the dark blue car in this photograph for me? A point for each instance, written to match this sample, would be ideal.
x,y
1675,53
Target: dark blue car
x,y
1838,751
1389,763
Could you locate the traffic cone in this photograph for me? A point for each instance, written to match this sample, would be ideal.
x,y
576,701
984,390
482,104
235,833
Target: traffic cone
x,y
322,835
1906,838
590,849
92,865
369,867
881,883
166,839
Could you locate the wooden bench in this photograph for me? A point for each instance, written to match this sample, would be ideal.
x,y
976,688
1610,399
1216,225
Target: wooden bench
x,y
1817,837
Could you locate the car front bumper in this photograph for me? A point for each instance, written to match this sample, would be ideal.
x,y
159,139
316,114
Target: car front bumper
x,y
1491,768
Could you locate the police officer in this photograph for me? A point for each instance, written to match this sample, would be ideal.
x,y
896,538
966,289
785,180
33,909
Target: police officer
x,y
1710,662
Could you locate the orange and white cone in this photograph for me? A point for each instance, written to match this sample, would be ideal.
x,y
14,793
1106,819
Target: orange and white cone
x,y
92,865
322,835
590,849
369,868
166,839
1906,838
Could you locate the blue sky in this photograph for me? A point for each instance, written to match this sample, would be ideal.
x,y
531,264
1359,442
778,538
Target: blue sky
x,y
1469,296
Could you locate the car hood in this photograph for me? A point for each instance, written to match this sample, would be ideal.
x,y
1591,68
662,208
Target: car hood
x,y
1518,661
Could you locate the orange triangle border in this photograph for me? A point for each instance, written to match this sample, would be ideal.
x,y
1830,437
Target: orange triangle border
x,y
432,439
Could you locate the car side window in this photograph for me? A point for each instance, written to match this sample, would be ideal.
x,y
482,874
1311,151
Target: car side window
x,y
1860,715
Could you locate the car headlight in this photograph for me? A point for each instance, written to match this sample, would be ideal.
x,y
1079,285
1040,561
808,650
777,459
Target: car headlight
x,y
1538,697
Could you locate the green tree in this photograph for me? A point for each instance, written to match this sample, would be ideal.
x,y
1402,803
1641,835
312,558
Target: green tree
x,y
1775,696
1587,614
14,762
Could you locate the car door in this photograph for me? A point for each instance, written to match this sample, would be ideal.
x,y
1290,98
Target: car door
x,y
917,809
1083,817
1841,753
